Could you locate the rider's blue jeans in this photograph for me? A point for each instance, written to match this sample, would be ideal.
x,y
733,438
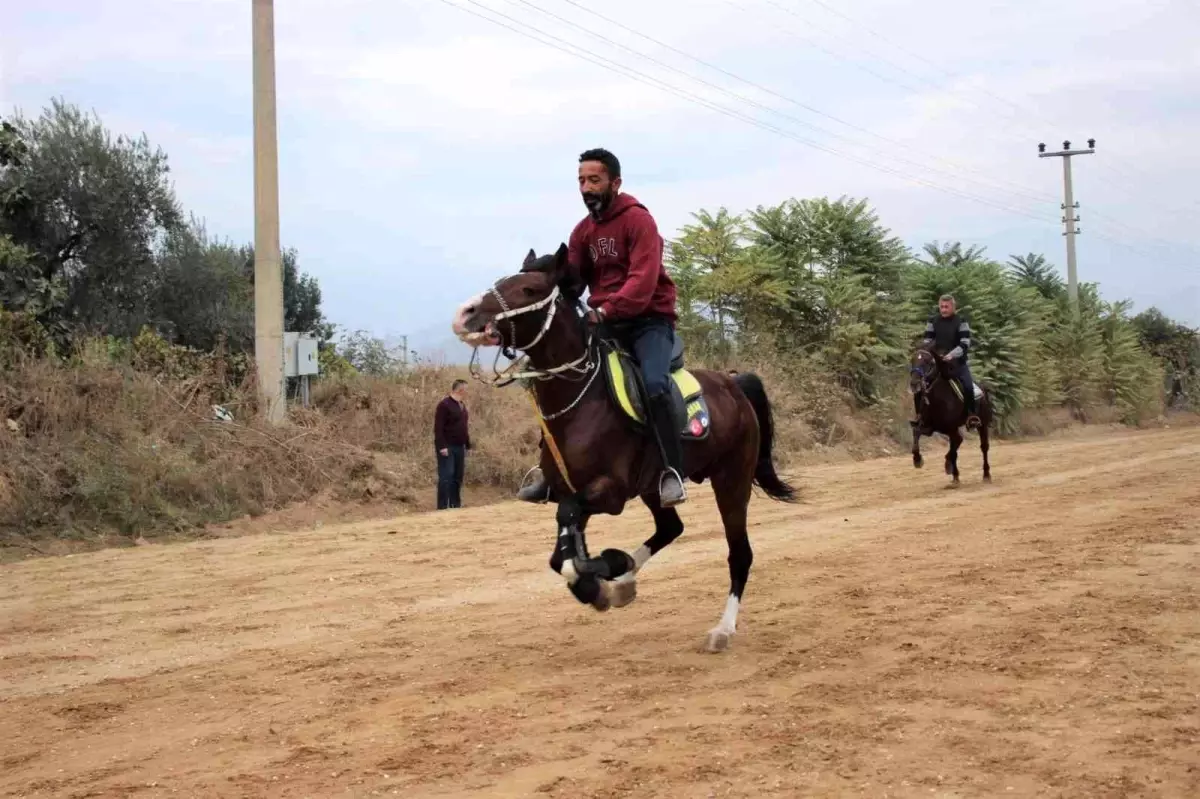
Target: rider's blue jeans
x,y
651,339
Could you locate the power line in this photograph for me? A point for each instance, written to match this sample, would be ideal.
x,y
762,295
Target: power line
x,y
1024,191
899,67
1030,112
1103,165
684,94
917,56
556,42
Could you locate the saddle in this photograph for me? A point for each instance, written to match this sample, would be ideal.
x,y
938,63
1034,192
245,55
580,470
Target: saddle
x,y
623,375
957,386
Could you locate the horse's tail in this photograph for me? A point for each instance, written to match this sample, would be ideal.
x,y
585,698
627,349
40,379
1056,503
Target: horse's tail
x,y
764,472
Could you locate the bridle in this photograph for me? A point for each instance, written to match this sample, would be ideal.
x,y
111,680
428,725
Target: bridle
x,y
927,382
583,366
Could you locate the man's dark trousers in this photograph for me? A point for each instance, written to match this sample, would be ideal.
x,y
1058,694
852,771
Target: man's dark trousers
x,y
450,476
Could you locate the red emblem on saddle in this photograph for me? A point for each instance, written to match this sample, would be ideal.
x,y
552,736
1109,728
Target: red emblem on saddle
x,y
696,427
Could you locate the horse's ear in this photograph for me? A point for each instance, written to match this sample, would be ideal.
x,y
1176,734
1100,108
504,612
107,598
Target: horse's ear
x,y
529,259
560,259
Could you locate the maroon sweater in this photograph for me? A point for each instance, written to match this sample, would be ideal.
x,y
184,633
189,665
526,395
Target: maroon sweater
x,y
620,260
450,425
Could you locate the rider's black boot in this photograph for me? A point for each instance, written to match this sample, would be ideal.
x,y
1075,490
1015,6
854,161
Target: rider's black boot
x,y
973,421
671,489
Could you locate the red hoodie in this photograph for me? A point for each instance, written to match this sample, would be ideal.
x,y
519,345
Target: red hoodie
x,y
620,259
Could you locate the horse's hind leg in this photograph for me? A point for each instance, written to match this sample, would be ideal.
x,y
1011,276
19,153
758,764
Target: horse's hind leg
x,y
983,447
732,489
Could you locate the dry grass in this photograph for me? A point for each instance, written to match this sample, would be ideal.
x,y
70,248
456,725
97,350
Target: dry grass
x,y
101,454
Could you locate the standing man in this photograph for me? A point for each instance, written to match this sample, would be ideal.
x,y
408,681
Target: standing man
x,y
617,253
451,439
951,336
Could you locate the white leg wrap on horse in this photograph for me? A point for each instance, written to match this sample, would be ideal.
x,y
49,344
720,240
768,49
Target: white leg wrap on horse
x,y
640,556
568,572
568,568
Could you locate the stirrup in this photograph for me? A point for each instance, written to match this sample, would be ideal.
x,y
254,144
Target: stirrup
x,y
667,474
536,490
974,422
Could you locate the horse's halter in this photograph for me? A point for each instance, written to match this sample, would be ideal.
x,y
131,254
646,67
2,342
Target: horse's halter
x,y
503,378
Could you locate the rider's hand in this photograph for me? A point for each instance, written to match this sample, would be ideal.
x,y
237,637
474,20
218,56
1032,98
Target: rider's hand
x,y
948,357
595,316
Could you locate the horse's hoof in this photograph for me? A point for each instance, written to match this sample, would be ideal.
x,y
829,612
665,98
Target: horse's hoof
x,y
603,600
718,641
624,590
619,563
918,461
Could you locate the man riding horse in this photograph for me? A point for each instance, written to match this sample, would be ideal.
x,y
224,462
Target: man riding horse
x,y
617,253
950,335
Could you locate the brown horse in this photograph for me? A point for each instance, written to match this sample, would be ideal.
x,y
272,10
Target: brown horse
x,y
598,452
943,411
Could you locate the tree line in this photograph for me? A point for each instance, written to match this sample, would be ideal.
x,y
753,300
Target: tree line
x,y
823,284
93,241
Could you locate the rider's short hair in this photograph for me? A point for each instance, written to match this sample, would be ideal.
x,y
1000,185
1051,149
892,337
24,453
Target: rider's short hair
x,y
611,164
457,384
947,298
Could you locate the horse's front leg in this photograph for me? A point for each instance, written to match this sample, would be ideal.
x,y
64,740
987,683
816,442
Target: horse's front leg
x,y
918,461
588,578
956,440
667,527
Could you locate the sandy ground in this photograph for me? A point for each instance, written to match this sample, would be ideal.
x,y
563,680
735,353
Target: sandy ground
x,y
1036,637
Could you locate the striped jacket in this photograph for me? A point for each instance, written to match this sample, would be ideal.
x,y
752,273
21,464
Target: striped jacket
x,y
950,335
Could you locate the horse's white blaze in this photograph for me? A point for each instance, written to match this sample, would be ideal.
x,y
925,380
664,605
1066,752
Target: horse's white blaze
x,y
461,315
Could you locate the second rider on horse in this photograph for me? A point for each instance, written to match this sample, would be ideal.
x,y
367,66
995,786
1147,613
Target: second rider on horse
x,y
617,253
950,335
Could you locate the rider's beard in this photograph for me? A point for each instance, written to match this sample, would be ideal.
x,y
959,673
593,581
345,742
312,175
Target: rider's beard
x,y
596,202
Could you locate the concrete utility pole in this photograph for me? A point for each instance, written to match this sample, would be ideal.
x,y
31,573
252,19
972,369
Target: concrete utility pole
x,y
1069,207
268,268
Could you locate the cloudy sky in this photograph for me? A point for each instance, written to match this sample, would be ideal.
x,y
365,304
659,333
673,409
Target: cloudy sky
x,y
424,149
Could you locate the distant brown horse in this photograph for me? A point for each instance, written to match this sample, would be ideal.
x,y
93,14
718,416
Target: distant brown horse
x,y
599,453
943,410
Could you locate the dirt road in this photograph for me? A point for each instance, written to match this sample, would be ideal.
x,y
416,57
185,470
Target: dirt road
x,y
1036,637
